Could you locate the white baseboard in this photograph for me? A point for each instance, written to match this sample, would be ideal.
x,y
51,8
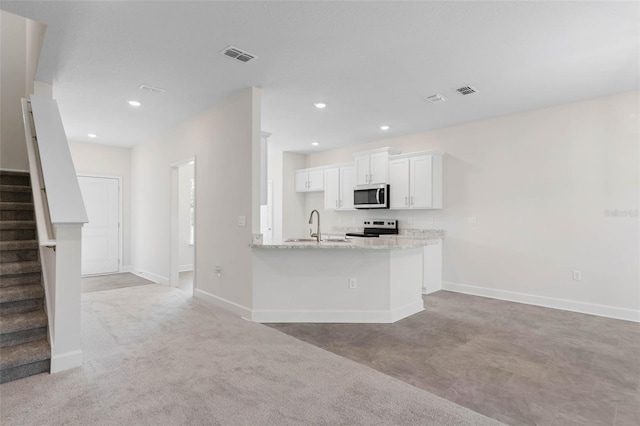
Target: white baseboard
x,y
148,275
222,303
127,268
338,316
185,268
66,361
547,302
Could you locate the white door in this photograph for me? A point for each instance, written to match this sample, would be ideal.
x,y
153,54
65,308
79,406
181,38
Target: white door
x,y
101,236
399,183
331,188
421,182
347,182
379,167
362,169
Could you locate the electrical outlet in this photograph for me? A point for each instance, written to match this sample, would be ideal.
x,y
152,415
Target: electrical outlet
x,y
471,220
577,275
218,271
353,283
242,221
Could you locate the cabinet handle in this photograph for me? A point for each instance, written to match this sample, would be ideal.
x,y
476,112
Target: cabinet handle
x,y
406,201
336,203
412,200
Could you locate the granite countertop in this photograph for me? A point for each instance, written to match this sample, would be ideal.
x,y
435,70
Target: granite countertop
x,y
382,243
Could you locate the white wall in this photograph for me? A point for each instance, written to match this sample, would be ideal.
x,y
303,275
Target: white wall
x,y
20,44
223,140
539,184
185,249
295,214
106,160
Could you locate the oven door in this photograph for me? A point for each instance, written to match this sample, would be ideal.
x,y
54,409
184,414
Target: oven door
x,y
374,197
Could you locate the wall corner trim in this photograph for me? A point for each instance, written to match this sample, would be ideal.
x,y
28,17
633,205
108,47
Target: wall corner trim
x,y
547,302
228,305
66,361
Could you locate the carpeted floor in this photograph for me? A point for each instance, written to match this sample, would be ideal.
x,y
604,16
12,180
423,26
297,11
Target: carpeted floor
x,y
153,355
112,281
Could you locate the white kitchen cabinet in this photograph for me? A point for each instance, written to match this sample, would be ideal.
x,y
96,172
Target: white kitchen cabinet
x,y
372,167
338,188
308,180
415,181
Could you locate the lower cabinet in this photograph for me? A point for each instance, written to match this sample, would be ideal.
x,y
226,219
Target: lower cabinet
x,y
338,188
432,268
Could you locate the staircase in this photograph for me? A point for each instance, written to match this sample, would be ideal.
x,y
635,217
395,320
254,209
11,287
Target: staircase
x,y
24,348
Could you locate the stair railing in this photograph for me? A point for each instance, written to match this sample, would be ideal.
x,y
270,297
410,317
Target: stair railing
x,y
60,215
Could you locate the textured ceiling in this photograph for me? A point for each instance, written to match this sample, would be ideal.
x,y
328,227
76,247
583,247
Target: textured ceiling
x,y
372,62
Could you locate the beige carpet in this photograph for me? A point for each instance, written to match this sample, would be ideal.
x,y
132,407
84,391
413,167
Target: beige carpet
x,y
154,356
111,281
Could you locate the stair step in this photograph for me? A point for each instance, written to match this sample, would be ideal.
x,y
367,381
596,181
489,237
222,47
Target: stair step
x,y
23,255
22,321
21,292
17,234
17,224
14,178
24,354
17,215
23,336
15,193
19,245
20,306
14,205
15,268
19,279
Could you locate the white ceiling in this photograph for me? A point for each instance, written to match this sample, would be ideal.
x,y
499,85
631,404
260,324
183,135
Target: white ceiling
x,y
371,62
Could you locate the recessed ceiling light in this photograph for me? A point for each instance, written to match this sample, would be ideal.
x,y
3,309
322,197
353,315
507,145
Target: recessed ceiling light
x,y
134,103
385,127
315,143
92,135
320,105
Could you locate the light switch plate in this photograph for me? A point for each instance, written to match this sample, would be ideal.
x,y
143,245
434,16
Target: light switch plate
x,y
242,221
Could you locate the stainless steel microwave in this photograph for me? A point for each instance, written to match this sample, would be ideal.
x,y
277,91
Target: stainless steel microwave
x,y
371,196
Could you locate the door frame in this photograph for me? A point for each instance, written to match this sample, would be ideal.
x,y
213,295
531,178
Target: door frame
x,y
120,233
174,236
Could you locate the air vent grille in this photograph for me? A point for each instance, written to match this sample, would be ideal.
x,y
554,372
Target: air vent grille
x,y
435,99
151,89
466,90
238,54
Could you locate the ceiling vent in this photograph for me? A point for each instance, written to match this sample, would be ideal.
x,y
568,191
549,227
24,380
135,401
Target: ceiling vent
x,y
435,99
238,54
466,90
151,89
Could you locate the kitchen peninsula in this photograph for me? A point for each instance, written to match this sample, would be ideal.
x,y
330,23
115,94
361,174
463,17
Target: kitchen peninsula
x,y
368,280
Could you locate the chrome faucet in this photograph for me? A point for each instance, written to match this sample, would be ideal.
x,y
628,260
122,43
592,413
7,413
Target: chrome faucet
x,y
317,234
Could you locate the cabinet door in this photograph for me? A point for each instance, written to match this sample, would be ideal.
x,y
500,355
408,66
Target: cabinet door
x,y
399,184
332,189
362,169
302,177
347,182
379,167
421,182
316,180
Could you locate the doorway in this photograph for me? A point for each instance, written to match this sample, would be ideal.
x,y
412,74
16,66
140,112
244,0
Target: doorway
x,y
102,235
183,225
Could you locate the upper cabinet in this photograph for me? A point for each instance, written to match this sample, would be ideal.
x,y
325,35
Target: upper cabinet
x,y
372,167
338,188
415,181
308,180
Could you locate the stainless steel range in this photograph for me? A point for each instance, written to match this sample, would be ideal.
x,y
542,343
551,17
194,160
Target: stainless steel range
x,y
376,227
